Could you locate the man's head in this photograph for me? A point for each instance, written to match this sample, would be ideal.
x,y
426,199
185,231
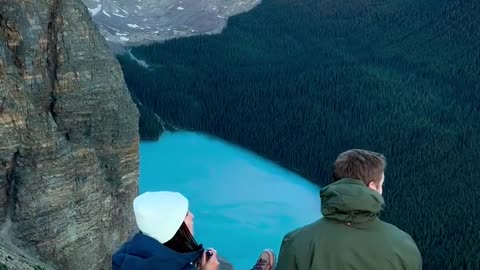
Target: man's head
x,y
362,165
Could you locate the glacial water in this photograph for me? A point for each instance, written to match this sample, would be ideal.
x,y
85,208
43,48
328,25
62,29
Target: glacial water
x,y
242,203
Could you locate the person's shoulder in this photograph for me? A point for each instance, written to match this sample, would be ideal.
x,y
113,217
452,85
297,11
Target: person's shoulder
x,y
139,242
302,232
404,245
394,231
400,238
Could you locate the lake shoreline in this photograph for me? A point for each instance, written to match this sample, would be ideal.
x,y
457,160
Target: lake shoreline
x,y
236,196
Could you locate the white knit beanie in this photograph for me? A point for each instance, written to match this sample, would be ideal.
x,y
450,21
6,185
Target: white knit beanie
x,y
160,214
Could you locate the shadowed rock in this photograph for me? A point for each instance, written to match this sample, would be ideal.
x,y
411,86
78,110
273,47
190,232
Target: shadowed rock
x,y
68,139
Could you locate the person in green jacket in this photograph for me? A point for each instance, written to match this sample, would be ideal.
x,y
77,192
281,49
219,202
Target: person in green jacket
x,y
350,236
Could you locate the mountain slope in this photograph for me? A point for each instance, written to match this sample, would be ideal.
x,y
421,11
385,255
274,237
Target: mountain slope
x,y
301,81
129,22
69,139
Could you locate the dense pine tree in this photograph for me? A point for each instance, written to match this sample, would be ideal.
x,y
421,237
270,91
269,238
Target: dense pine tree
x,y
299,81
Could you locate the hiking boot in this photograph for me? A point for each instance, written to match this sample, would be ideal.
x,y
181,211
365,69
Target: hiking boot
x,y
266,260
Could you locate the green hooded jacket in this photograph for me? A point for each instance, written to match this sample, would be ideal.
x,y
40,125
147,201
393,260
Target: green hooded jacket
x,y
350,236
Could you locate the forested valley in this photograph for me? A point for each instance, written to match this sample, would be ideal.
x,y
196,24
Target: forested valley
x,y
299,81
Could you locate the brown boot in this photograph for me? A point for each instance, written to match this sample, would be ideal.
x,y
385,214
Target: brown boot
x,y
266,260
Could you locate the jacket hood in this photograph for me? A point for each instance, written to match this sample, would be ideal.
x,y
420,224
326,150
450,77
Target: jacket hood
x,y
144,252
350,201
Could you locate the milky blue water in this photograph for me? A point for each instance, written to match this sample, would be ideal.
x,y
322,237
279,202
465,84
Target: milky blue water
x,y
241,202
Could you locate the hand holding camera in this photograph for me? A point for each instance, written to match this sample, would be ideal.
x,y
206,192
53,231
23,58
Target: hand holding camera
x,y
209,260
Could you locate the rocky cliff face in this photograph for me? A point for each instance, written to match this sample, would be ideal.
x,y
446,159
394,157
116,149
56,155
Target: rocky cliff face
x,y
68,139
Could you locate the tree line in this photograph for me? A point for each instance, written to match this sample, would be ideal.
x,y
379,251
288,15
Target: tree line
x,y
301,81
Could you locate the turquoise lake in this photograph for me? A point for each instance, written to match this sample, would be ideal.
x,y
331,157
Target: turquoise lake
x,y
242,203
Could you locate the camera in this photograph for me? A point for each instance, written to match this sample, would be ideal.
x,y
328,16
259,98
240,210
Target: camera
x,y
208,254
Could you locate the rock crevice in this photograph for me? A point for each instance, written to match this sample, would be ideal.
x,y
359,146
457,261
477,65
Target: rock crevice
x,y
11,186
52,53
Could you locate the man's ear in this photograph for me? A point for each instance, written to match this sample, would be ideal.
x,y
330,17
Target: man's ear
x,y
372,186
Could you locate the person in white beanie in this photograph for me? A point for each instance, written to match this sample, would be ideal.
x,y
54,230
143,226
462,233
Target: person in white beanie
x,y
166,238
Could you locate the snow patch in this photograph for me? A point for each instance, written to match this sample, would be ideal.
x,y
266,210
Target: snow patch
x,y
124,11
180,8
118,15
94,11
120,34
124,39
145,20
132,25
139,7
106,14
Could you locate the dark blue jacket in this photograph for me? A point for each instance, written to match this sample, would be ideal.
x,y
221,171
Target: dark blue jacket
x,y
145,253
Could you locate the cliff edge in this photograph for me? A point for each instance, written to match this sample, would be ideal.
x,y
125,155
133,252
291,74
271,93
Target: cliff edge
x,y
68,140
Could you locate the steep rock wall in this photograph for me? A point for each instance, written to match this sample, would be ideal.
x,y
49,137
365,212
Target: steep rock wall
x,y
68,137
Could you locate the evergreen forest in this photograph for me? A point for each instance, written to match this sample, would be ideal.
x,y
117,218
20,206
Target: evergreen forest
x,y
300,81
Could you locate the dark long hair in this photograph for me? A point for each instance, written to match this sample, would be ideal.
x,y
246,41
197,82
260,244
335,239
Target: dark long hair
x,y
183,241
